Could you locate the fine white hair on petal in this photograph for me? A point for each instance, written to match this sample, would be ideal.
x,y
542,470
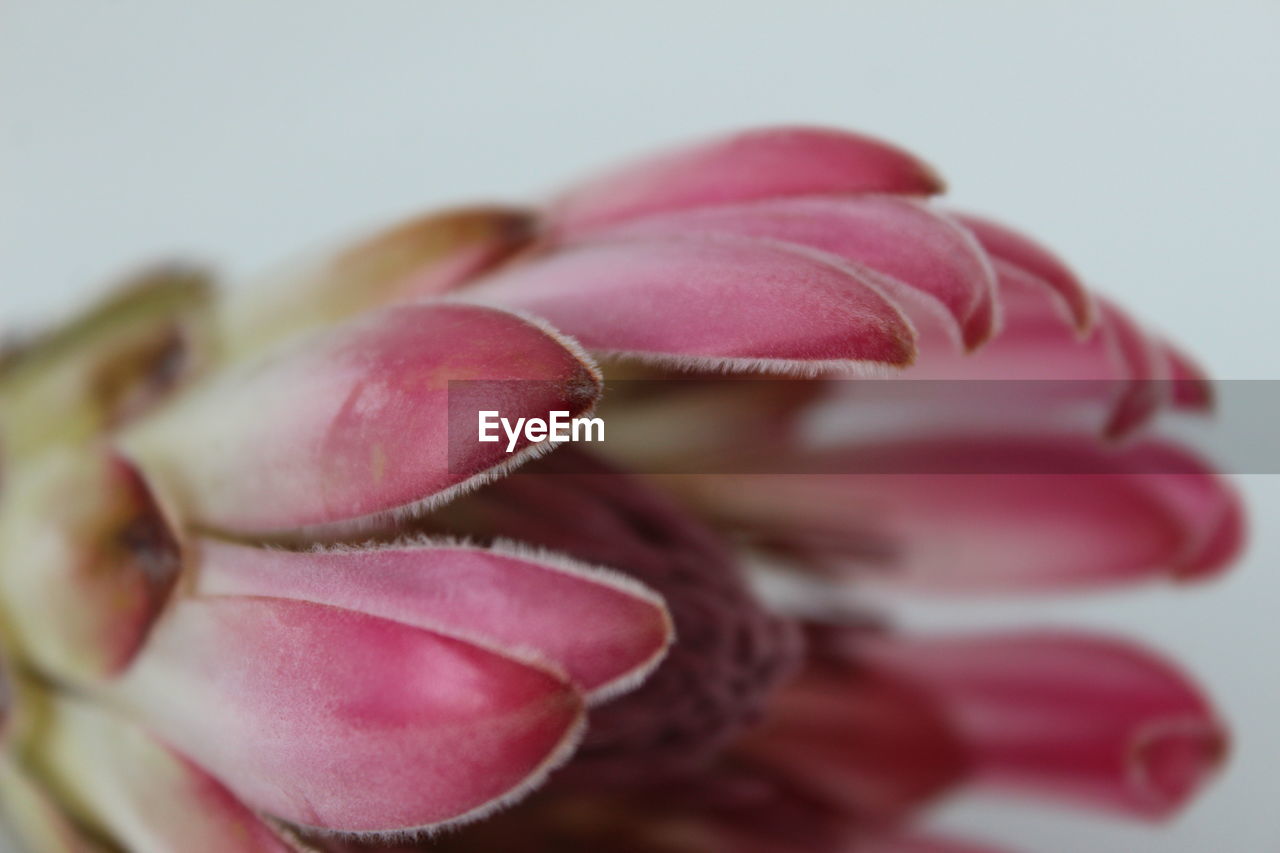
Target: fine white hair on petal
x,y
887,289
373,522
380,520
366,524
997,305
592,573
570,343
287,834
544,559
558,562
633,678
502,546
894,291
728,365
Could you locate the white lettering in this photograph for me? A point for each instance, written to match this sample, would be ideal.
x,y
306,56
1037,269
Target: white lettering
x,y
488,421
588,424
513,434
559,427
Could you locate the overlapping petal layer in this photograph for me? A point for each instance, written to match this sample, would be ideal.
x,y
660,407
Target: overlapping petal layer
x,y
768,163
1018,256
108,366
711,304
353,424
1080,718
340,720
263,674
418,258
602,629
975,514
919,251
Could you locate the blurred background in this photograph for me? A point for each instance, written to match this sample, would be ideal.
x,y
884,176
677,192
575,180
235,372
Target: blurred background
x,y
1139,138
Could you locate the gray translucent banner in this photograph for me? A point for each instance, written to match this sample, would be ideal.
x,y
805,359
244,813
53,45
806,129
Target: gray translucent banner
x,y
719,425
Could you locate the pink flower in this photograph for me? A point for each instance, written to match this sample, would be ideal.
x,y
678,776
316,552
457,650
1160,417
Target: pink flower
x,y
260,596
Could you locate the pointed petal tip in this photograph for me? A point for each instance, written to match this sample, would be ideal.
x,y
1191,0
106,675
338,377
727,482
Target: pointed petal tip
x,y
337,432
1089,720
918,257
1221,548
646,625
977,331
1007,246
1142,513
604,630
719,304
1192,388
1172,763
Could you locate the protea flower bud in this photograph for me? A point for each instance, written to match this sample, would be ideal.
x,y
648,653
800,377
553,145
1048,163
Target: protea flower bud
x,y
262,592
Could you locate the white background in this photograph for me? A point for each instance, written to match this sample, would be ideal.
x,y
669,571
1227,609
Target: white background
x,y
1140,138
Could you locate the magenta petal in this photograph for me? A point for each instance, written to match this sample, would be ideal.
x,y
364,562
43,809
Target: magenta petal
x,y
1212,512
862,743
1114,368
334,719
1112,516
354,423
753,165
901,238
709,303
1148,388
1035,342
1086,719
603,629
1192,388
1009,247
